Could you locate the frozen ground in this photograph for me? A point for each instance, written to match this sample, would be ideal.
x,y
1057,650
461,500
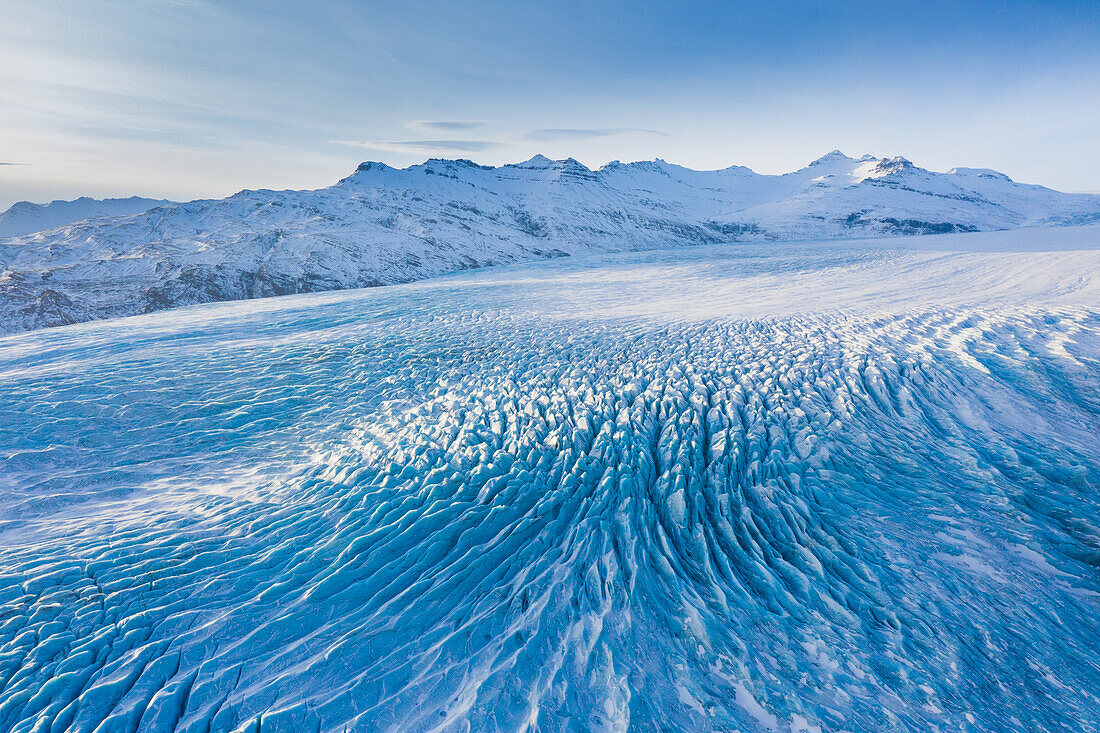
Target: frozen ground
x,y
847,486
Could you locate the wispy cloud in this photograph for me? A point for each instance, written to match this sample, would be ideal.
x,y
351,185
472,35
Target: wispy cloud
x,y
587,133
424,146
446,125
3,163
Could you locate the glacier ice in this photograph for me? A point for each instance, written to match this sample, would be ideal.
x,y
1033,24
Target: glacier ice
x,y
810,486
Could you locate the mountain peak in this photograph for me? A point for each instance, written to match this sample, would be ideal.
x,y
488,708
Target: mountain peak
x,y
454,163
830,157
657,165
889,166
22,207
371,165
980,173
535,161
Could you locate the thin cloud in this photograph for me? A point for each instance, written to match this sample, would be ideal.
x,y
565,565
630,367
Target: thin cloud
x,y
424,146
587,133
447,125
3,163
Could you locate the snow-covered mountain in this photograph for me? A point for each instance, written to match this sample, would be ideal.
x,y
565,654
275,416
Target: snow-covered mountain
x,y
384,225
25,217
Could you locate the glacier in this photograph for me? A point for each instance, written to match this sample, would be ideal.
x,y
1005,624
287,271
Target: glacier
x,y
383,225
804,486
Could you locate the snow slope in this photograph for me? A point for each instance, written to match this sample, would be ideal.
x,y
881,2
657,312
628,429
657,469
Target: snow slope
x,y
382,225
810,486
25,217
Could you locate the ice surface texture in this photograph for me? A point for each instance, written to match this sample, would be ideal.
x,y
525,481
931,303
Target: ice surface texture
x,y
805,486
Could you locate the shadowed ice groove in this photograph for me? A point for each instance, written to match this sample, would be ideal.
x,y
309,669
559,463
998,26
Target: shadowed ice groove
x,y
384,513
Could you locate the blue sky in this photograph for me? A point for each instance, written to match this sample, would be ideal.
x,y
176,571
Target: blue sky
x,y
188,98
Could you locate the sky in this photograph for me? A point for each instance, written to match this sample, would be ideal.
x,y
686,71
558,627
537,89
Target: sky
x,y
184,99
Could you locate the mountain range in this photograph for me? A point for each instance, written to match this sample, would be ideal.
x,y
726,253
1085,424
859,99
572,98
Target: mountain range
x,y
384,225
25,217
